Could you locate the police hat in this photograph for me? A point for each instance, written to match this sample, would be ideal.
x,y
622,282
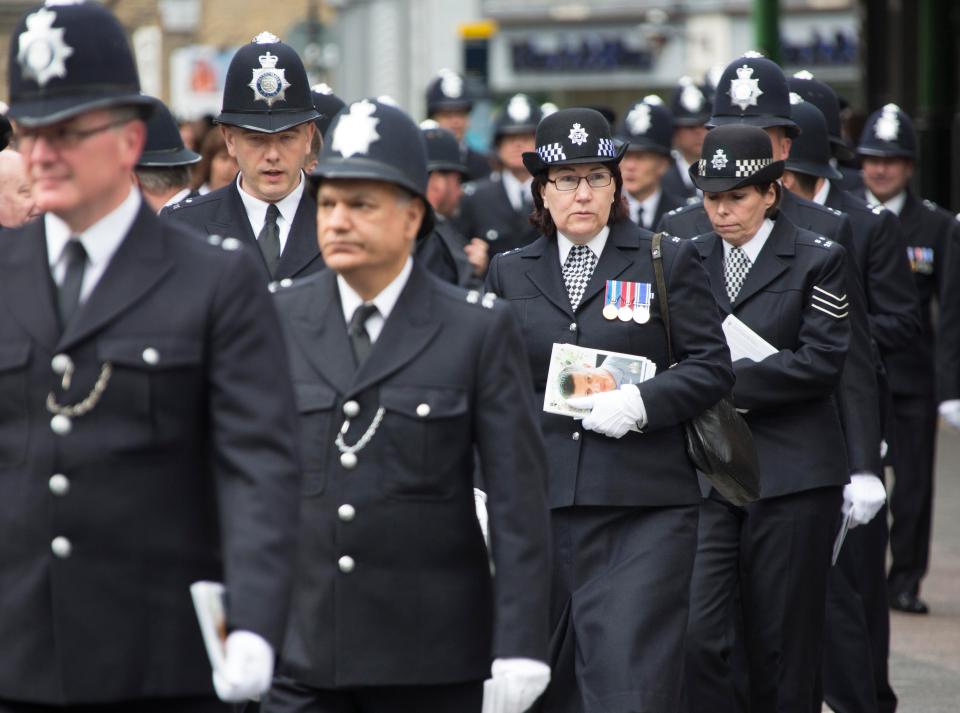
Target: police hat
x,y
447,92
689,104
327,105
752,90
266,88
372,140
648,126
825,99
572,136
520,115
888,132
734,156
164,145
443,149
810,152
69,59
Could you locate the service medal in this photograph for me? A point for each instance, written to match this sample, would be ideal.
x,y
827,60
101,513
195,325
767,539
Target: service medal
x,y
641,303
611,299
625,313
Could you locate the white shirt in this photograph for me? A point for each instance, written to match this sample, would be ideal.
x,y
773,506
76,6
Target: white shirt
x,y
895,204
821,196
257,210
755,244
100,240
384,302
649,205
515,189
176,198
596,244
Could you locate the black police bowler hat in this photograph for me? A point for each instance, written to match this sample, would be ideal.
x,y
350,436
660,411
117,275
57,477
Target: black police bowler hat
x,y
443,149
752,90
448,92
164,145
689,104
266,88
648,126
573,136
888,132
327,105
69,59
376,141
810,152
734,156
520,115
825,99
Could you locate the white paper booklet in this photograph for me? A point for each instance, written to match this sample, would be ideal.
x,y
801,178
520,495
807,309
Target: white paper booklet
x,y
582,371
208,603
744,343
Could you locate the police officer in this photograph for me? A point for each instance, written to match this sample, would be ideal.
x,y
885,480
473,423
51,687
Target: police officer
x,y
623,493
146,418
497,209
647,129
691,110
163,171
399,377
923,373
449,104
267,123
327,105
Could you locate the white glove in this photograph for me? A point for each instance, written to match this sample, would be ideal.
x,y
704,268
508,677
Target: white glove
x,y
480,502
950,410
613,412
247,668
515,685
863,497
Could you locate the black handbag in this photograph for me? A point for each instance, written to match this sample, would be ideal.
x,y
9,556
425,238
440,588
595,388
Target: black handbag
x,y
718,441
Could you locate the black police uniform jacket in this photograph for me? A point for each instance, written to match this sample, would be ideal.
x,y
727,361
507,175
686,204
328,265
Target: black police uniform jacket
x,y
931,365
649,468
221,212
487,213
187,468
793,297
419,607
441,252
858,393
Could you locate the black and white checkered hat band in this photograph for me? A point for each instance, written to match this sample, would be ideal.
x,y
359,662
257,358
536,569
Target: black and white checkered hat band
x,y
702,167
551,152
748,167
606,148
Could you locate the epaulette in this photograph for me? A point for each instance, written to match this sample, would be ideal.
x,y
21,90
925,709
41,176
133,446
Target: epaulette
x,y
929,205
878,209
487,300
469,188
280,284
674,211
822,242
834,210
694,200
511,252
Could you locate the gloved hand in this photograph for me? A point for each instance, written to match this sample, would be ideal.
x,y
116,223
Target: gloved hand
x,y
515,685
863,497
613,412
480,502
950,410
247,669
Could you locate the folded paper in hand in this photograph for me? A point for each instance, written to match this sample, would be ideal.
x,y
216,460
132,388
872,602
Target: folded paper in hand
x,y
744,343
208,603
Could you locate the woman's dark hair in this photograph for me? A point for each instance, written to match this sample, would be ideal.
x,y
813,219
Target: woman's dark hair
x,y
540,216
762,188
212,144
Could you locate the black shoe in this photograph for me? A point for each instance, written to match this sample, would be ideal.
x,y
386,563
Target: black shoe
x,y
909,603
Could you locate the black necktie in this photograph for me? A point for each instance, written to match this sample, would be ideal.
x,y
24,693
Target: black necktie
x,y
68,294
359,337
269,239
640,220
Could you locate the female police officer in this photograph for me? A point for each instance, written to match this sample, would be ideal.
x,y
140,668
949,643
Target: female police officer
x,y
787,285
624,503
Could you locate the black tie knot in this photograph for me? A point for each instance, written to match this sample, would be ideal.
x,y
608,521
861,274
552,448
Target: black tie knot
x,y
68,294
357,330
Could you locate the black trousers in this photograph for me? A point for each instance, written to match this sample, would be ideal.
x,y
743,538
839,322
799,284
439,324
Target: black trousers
x,y
288,696
619,607
153,705
777,551
911,502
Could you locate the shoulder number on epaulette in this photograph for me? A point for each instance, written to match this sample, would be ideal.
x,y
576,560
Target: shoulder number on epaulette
x,y
487,300
822,242
929,205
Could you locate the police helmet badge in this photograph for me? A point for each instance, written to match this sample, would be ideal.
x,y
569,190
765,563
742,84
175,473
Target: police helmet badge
x,y
42,52
451,84
719,160
322,88
578,135
639,119
803,74
269,83
519,108
691,98
356,130
795,99
745,90
887,127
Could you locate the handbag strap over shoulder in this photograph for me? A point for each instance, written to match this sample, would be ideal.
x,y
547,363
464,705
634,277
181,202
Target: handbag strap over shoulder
x,y
657,254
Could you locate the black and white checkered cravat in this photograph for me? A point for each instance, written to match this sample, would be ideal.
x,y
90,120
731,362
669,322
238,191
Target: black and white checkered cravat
x,y
736,265
577,270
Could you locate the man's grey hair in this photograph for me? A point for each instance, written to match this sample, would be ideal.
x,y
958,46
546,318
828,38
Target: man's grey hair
x,y
161,179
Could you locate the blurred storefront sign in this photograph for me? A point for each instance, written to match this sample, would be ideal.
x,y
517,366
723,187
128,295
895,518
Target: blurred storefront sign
x,y
197,74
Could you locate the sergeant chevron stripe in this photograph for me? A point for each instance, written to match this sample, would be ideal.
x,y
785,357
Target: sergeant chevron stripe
x,y
829,303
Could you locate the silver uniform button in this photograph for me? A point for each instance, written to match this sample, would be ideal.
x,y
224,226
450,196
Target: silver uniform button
x,y
423,410
346,564
351,409
492,234
59,484
151,356
346,513
61,547
230,244
573,327
286,282
348,460
61,425
61,363
576,436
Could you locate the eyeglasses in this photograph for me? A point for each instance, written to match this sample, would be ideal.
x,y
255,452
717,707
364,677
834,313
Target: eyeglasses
x,y
62,137
570,182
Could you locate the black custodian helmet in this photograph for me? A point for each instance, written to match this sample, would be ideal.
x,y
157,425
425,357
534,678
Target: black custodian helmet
x,y
164,145
447,92
689,104
825,99
888,132
520,115
443,149
67,59
734,156
573,136
327,105
810,152
752,90
648,126
266,88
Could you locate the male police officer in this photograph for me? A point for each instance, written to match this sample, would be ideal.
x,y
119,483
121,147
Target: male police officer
x,y
267,124
449,104
163,170
497,209
924,372
691,110
146,421
399,377
647,128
